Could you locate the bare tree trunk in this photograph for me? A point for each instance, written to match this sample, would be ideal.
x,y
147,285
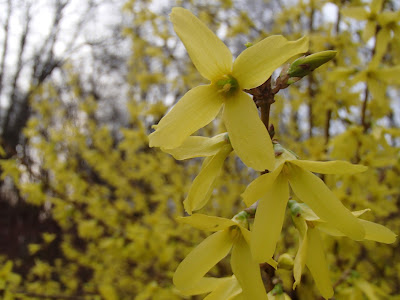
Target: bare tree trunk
x,y
5,46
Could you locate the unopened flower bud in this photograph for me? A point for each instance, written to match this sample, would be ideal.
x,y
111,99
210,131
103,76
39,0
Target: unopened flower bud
x,y
295,208
277,290
241,219
278,149
285,262
306,64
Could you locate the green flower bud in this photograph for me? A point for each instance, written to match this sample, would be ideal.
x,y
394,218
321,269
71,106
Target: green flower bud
x,y
295,208
278,149
241,219
277,290
285,261
306,64
248,44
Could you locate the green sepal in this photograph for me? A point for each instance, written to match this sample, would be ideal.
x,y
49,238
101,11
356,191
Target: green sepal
x,y
305,65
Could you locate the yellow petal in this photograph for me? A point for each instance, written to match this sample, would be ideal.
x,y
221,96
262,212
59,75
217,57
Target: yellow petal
x,y
226,291
341,73
376,6
317,264
202,186
269,220
301,256
357,13
247,237
260,186
307,213
247,271
248,135
197,108
328,229
378,233
377,89
389,18
205,222
329,167
204,285
382,40
358,213
368,289
246,234
359,77
202,259
312,190
198,146
368,31
389,75
255,64
208,53
332,230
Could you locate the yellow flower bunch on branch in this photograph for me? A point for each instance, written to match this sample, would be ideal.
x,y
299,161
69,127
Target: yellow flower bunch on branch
x,y
251,235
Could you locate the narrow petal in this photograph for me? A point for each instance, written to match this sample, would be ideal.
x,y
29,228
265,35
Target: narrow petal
x,y
317,264
378,233
329,167
201,189
226,291
260,186
269,220
368,31
255,64
389,75
377,89
208,53
301,256
198,146
368,289
382,40
248,135
357,13
206,255
196,109
247,271
307,213
358,213
206,222
204,285
329,229
332,230
313,191
376,6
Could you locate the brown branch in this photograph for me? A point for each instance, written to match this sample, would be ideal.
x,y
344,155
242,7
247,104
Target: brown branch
x,y
364,122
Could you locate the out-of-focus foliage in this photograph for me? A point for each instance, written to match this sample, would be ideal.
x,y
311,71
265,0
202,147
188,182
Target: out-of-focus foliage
x,y
115,201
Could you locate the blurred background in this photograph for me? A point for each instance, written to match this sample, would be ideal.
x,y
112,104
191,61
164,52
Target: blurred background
x,y
87,209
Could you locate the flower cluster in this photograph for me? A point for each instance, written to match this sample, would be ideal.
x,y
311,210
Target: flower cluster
x,y
250,242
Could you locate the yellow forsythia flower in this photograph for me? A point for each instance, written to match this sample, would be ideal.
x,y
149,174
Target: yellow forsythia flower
x,y
216,150
272,189
229,235
228,79
311,253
